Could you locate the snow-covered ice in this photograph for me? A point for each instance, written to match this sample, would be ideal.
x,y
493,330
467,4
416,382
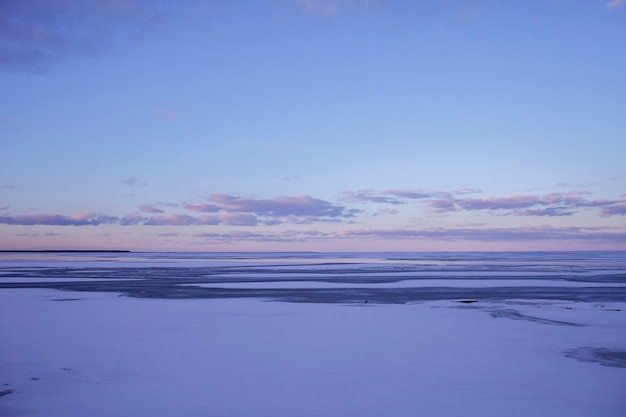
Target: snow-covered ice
x,y
100,354
292,334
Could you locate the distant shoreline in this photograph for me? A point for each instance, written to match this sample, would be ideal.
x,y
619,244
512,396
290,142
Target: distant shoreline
x,y
68,250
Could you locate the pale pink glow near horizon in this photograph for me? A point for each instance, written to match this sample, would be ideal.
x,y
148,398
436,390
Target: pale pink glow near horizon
x,y
303,222
245,240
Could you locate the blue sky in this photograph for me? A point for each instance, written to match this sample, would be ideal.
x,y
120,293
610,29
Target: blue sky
x,y
313,125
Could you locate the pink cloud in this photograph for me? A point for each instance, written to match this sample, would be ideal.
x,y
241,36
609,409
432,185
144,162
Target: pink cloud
x,y
287,236
386,212
171,220
498,203
131,219
548,212
231,219
554,204
241,235
615,3
131,181
229,210
442,205
494,234
309,220
301,205
304,233
202,207
238,219
466,190
230,235
332,7
81,219
233,210
208,220
393,196
37,33
364,196
614,210
167,114
150,208
415,194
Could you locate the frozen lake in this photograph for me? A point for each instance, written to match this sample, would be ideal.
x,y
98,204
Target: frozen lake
x,y
327,277
281,335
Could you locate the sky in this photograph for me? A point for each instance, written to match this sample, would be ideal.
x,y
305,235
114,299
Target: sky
x,y
313,125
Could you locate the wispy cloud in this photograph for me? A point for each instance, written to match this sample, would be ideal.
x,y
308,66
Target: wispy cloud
x,y
386,212
332,7
614,210
286,236
238,219
615,3
169,234
131,181
236,210
231,219
370,196
542,233
547,212
224,209
82,219
131,219
171,220
301,205
307,220
391,196
150,208
202,207
236,234
258,215
466,190
494,234
416,194
36,33
552,204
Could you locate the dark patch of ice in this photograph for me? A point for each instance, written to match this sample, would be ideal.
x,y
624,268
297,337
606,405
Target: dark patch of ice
x,y
509,313
615,358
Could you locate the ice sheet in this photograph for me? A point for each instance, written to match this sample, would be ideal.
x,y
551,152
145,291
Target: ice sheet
x,y
100,355
409,283
9,280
